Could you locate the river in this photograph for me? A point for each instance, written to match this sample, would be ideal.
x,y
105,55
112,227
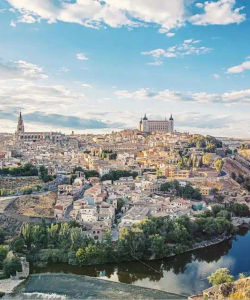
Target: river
x,y
183,274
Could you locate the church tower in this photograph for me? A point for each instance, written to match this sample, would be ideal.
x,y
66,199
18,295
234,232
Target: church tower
x,y
20,124
171,120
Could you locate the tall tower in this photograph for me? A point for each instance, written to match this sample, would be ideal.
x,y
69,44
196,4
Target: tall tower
x,y
145,123
20,124
171,120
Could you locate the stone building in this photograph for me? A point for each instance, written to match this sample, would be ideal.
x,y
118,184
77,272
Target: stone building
x,y
23,136
148,126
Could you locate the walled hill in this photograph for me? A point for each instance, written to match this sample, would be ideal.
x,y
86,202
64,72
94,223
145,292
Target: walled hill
x,y
16,183
39,205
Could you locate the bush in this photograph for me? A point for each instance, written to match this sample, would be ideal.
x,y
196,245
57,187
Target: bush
x,y
11,265
3,253
220,276
17,244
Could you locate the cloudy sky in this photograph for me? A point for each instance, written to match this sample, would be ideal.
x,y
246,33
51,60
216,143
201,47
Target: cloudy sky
x,y
98,65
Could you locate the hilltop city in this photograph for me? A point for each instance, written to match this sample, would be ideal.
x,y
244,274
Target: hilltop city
x,y
110,181
143,193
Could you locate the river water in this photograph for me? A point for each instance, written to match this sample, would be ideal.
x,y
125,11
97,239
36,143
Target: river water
x,y
183,274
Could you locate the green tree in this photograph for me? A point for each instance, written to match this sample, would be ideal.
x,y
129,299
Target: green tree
x,y
207,159
240,210
165,187
120,204
224,214
218,164
26,234
17,244
11,265
2,235
220,276
3,254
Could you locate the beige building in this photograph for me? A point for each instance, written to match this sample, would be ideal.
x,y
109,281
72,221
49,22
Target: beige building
x,y
156,125
23,136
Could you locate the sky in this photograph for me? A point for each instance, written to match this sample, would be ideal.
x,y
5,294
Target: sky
x,y
100,65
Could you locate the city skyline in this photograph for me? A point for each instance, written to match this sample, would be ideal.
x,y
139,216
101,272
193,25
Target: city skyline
x,y
99,66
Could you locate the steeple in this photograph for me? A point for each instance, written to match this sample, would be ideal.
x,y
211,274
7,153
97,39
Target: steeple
x,y
171,118
145,117
20,124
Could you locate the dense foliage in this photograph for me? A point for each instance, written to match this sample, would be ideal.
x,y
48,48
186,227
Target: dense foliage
x,y
152,238
220,276
43,174
187,192
11,265
87,173
25,170
242,180
109,154
117,174
209,143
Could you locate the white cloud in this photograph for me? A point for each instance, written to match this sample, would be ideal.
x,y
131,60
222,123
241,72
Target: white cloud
x,y
170,34
239,68
199,5
221,12
12,23
167,14
81,56
216,76
188,47
132,13
86,85
21,70
231,97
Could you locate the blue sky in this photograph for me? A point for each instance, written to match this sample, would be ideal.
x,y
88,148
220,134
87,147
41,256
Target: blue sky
x,y
87,65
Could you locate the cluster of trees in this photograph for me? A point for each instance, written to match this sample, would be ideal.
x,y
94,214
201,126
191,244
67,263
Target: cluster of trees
x,y
43,174
187,192
117,174
152,238
87,173
218,164
9,262
108,154
209,143
27,170
234,209
244,181
188,160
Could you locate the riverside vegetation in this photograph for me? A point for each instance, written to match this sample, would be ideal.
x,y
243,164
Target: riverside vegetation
x,y
149,239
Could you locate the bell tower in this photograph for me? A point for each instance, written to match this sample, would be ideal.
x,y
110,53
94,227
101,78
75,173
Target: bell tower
x,y
20,124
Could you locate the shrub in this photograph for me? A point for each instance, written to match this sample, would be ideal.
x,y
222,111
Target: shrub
x,y
11,265
222,275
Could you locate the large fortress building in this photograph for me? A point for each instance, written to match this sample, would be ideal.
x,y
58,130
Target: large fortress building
x,y
21,135
148,126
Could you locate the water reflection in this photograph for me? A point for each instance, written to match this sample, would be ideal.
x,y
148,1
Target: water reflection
x,y
185,274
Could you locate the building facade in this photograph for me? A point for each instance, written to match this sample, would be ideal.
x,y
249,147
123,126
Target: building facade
x,y
156,125
21,135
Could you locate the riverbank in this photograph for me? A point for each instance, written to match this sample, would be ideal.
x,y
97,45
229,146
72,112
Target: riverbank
x,y
182,274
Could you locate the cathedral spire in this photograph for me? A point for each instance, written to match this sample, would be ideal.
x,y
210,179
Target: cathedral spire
x,y
20,124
